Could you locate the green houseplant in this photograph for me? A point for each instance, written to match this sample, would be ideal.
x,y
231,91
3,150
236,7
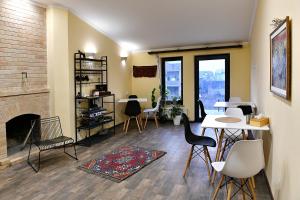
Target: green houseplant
x,y
162,114
176,112
153,98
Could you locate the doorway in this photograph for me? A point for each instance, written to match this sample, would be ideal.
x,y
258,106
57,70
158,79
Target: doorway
x,y
212,82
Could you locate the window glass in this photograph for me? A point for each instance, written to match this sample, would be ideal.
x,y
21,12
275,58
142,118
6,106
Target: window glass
x,y
173,82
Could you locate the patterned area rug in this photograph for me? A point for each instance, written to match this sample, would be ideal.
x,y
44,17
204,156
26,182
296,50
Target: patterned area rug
x,y
122,162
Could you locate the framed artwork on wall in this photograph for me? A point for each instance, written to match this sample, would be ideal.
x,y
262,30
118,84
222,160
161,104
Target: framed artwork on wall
x,y
144,71
280,59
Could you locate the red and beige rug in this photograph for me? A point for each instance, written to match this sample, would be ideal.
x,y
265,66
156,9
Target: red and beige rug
x,y
122,162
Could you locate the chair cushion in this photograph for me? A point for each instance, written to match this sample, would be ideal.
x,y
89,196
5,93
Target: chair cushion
x,y
218,166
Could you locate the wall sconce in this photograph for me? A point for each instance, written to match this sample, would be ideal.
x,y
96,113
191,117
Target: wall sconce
x,y
90,55
123,60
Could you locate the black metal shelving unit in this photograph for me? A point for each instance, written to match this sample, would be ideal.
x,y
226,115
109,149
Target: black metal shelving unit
x,y
91,111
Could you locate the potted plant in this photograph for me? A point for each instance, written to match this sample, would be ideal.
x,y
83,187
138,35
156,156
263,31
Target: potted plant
x,y
153,98
162,115
176,112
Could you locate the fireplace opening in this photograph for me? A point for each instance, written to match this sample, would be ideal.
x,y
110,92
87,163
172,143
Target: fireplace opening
x,y
17,130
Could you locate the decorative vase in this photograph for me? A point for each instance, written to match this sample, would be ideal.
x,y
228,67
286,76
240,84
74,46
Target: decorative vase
x,y
176,120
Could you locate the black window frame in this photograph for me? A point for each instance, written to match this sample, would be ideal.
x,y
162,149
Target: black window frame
x,y
163,74
197,58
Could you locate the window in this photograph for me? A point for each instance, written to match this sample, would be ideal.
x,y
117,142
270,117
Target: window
x,y
172,77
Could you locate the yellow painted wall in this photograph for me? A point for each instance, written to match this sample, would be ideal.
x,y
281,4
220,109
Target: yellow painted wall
x,y
282,145
81,36
143,86
58,73
66,34
239,74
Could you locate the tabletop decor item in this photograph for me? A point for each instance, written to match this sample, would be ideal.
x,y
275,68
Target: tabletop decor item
x,y
280,60
122,162
259,120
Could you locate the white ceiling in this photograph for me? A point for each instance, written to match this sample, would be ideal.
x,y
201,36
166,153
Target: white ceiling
x,y
153,24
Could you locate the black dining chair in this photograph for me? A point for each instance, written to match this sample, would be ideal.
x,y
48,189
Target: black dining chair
x,y
203,115
202,110
133,96
133,110
196,141
247,109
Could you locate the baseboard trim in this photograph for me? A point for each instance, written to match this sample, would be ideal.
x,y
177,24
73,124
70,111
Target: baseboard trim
x,y
268,185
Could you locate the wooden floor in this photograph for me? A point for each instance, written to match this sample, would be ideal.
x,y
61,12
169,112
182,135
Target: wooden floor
x,y
59,177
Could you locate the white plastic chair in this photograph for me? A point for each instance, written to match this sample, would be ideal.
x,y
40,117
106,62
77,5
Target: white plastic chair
x,y
152,111
235,99
245,160
232,135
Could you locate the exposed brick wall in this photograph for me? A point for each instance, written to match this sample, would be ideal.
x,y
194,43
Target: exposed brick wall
x,y
14,106
22,49
22,46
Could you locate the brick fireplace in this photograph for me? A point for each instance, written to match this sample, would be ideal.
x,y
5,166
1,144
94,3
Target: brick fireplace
x,y
13,106
23,63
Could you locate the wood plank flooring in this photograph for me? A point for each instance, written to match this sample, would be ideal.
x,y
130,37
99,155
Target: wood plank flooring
x,y
59,177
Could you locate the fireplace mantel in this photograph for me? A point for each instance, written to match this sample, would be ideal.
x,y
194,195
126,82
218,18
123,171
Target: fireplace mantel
x,y
23,92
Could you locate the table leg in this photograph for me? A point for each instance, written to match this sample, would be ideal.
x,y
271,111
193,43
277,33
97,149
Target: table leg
x,y
219,145
216,133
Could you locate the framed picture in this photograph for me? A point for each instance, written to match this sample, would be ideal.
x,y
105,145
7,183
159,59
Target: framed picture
x,y
280,69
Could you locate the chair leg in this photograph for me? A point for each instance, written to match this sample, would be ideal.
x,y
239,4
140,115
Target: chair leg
x,y
75,157
206,162
127,125
137,122
141,121
218,187
75,151
229,190
252,181
124,126
242,188
155,118
218,154
146,120
208,155
252,190
188,162
223,150
31,164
